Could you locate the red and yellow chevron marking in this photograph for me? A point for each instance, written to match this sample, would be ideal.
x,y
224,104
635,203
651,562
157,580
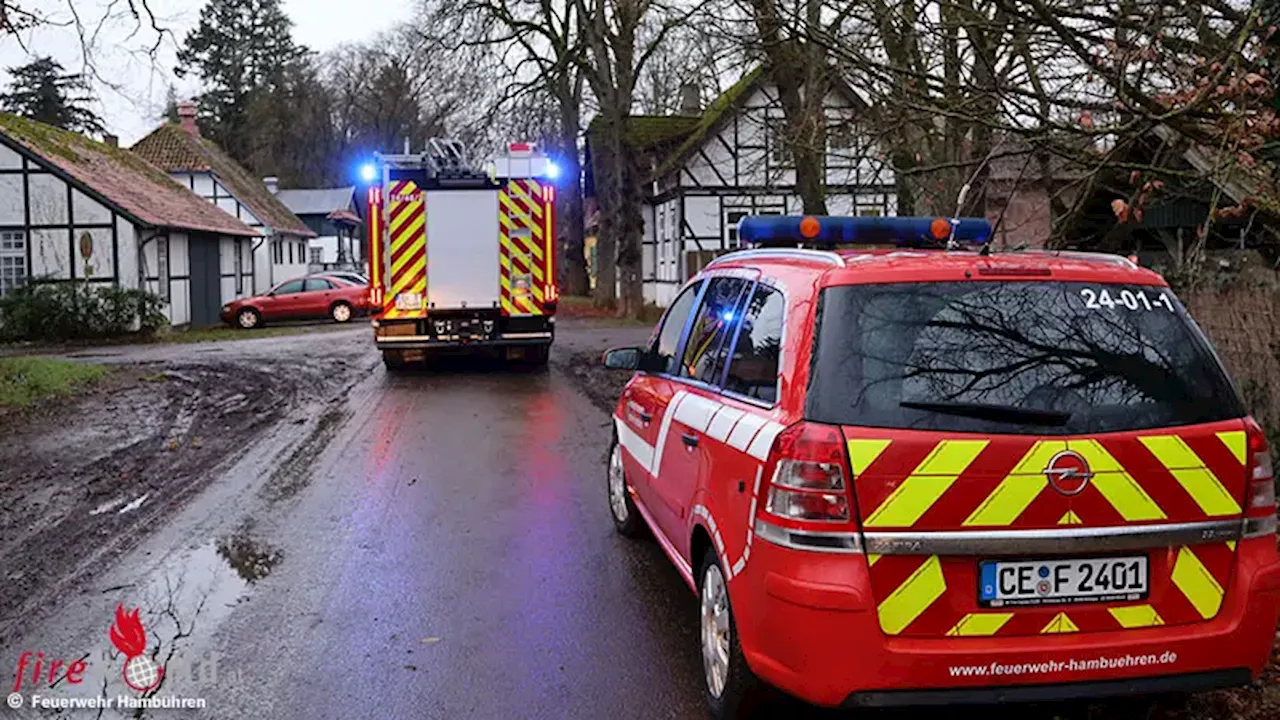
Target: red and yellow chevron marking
x,y
918,482
407,233
524,255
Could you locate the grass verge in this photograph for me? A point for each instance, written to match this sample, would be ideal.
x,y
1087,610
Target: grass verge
x,y
25,380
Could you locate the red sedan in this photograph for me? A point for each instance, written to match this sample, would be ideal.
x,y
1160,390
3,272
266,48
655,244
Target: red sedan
x,y
314,296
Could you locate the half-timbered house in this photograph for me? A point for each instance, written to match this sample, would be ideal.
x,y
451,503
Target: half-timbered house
x,y
74,209
209,172
709,171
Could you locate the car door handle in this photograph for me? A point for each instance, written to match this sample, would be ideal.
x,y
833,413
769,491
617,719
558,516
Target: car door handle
x,y
646,418
690,439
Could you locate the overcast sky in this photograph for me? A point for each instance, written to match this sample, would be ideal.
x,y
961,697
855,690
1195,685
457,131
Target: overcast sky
x,y
131,85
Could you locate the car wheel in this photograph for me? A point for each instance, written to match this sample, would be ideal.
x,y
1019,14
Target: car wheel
x,y
248,318
731,686
340,312
626,518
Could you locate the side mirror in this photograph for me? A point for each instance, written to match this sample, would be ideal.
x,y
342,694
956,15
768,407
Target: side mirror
x,y
622,358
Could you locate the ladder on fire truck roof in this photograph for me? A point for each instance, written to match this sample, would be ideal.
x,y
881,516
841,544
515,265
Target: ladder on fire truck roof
x,y
445,161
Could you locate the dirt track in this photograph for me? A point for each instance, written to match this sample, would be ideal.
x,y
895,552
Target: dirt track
x,y
83,480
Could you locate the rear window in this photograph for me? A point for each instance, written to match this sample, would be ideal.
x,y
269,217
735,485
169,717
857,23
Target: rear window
x,y
1013,357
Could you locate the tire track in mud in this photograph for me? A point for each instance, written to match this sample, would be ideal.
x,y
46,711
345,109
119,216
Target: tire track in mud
x,y
84,481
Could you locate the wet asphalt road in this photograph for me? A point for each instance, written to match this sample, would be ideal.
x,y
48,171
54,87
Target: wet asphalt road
x,y
453,558
444,550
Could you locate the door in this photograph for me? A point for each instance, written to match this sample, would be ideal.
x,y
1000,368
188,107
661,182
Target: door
x,y
462,245
206,280
285,301
1006,426
687,449
644,427
317,296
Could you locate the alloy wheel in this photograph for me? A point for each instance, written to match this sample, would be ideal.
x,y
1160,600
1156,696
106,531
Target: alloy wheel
x,y
715,630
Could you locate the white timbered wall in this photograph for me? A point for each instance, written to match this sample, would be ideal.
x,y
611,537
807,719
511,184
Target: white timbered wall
x,y
270,260
743,169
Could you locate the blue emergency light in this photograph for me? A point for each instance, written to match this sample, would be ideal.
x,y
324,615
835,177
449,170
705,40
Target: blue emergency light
x,y
783,230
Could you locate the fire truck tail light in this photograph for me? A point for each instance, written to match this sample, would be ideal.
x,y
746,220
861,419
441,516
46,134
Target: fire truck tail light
x,y
810,478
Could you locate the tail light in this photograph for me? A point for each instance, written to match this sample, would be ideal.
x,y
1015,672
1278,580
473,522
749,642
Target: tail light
x,y
808,501
1260,511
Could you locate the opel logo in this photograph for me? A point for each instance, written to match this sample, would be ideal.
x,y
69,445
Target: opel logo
x,y
1068,473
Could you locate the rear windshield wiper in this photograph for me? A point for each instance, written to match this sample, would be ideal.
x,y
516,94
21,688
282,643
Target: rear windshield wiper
x,y
995,413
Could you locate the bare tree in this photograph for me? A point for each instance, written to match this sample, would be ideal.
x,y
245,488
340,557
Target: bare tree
x,y
620,37
1079,88
537,44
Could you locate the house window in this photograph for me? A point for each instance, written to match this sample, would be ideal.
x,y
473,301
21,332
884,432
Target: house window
x,y
277,252
779,143
291,253
731,219
317,256
162,266
13,260
870,211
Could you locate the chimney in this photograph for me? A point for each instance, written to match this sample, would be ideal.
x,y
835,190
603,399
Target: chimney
x,y
690,99
273,183
111,140
187,117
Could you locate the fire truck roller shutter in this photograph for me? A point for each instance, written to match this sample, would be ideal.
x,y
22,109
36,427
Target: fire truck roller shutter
x,y
462,249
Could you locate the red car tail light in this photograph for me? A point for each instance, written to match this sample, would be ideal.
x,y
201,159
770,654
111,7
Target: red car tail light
x,y
809,477
1260,511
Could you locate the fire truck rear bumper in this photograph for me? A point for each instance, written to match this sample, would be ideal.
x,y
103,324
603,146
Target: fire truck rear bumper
x,y
423,342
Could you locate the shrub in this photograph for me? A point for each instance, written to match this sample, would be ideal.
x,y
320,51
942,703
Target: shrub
x,y
76,310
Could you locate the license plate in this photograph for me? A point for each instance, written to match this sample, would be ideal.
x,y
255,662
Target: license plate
x,y
1045,582
409,301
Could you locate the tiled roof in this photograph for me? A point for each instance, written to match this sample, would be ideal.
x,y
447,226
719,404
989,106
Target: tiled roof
x,y
173,149
133,186
317,201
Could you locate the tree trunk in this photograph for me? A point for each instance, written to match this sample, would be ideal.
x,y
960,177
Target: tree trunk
x,y
605,168
630,232
572,263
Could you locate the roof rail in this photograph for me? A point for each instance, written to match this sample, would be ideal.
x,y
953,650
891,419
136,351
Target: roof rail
x,y
823,256
1099,257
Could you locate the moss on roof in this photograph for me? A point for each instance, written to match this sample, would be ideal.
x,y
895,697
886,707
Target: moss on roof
x,y
647,131
134,186
172,148
729,99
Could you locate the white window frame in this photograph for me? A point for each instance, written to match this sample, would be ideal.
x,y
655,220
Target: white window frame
x,y
731,226
13,246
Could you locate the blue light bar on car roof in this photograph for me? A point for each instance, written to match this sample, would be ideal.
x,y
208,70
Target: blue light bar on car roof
x,y
766,230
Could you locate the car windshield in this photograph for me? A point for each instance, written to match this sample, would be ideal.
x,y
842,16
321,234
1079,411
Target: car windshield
x,y
1013,357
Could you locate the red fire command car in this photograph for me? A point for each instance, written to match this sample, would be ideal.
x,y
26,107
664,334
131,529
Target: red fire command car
x,y
904,476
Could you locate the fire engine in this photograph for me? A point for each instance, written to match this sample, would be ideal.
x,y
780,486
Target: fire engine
x,y
461,258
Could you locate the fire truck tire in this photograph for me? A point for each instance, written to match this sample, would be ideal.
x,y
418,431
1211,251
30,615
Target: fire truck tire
x,y
626,518
539,355
341,312
724,666
393,360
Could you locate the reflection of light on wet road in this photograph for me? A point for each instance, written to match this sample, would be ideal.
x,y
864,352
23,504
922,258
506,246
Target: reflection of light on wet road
x,y
550,618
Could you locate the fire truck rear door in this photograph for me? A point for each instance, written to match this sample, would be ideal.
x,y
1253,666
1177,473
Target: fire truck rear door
x,y
462,249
